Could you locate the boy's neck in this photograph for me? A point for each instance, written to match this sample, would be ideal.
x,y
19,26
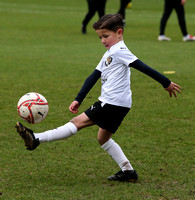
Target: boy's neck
x,y
115,44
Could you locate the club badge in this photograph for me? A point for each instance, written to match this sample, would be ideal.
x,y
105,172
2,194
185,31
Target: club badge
x,y
108,61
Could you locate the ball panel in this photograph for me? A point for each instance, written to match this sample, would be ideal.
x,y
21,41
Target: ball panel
x,y
39,112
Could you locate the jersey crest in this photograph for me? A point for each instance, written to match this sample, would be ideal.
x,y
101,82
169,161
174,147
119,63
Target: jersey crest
x,y
108,61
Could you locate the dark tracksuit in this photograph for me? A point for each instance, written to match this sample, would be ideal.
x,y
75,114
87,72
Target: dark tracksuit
x,y
168,8
123,5
93,7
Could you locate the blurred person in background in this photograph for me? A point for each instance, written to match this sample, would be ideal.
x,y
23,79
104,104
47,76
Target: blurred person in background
x,y
123,5
178,5
93,7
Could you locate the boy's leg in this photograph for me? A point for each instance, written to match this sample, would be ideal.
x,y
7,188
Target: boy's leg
x,y
59,133
66,130
113,149
32,140
127,172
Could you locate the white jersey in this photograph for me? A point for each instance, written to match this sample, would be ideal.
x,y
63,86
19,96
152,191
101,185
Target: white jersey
x,y
115,75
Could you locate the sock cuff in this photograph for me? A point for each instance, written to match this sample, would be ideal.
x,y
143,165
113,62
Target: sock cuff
x,y
72,127
108,144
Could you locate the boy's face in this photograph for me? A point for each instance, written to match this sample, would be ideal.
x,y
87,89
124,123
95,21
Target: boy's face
x,y
109,38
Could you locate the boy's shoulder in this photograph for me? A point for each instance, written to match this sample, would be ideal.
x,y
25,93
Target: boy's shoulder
x,y
120,51
120,46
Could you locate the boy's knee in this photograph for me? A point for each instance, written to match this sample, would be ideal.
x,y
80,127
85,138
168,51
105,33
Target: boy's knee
x,y
99,140
75,122
103,139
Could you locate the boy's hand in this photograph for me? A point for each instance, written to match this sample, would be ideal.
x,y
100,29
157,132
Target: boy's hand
x,y
74,107
171,89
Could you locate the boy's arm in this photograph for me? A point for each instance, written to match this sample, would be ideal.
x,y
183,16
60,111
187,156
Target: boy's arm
x,y
166,83
88,84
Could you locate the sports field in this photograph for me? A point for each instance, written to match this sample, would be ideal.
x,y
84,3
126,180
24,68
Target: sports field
x,y
42,49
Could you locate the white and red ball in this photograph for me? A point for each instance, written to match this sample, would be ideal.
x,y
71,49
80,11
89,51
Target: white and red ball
x,y
33,107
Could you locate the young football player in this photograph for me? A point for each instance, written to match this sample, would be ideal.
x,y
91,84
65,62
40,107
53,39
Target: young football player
x,y
115,99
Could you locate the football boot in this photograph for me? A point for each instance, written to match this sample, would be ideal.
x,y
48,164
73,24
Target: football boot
x,y
27,135
128,176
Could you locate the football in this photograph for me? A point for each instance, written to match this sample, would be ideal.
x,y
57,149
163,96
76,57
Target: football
x,y
33,107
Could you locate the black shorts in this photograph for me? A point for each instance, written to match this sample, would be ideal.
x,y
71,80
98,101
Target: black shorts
x,y
107,116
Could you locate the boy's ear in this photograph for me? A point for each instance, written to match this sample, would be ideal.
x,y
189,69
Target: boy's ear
x,y
120,31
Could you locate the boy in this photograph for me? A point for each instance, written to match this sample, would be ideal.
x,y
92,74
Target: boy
x,y
114,101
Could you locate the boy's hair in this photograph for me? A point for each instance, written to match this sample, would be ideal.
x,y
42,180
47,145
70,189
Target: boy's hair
x,y
111,22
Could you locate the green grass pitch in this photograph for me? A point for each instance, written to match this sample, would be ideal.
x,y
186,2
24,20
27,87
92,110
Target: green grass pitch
x,y
42,49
